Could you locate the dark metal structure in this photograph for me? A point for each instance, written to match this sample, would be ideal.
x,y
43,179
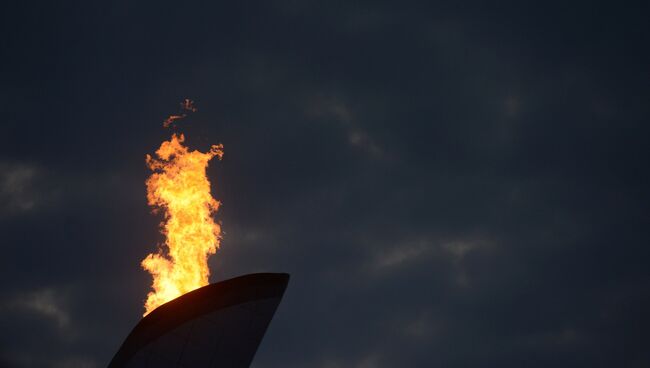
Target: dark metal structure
x,y
218,325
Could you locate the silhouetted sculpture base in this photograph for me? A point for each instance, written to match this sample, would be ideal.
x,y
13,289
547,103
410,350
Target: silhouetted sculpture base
x,y
218,325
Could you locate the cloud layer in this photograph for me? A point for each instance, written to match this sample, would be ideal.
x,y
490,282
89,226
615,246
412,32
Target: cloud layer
x,y
448,185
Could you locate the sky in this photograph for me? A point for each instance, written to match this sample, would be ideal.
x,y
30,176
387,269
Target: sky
x,y
449,184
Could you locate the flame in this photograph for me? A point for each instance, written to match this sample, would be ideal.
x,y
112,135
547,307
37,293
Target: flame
x,y
180,187
187,105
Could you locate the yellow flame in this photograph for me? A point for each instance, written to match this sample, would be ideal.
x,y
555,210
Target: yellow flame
x,y
180,187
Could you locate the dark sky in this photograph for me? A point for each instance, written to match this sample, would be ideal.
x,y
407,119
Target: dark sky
x,y
456,185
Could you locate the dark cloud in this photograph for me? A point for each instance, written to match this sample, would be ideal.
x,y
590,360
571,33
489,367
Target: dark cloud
x,y
448,185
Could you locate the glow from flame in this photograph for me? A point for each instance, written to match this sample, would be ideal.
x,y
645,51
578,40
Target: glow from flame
x,y
179,186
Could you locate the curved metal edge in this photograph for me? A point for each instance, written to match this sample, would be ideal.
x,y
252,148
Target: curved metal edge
x,y
198,302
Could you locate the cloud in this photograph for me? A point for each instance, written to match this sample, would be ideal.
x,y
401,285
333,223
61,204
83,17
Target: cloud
x,y
406,253
420,326
474,101
17,192
459,249
402,254
49,304
336,110
44,331
370,360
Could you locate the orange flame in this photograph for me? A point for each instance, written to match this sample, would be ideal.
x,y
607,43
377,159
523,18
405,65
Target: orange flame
x,y
186,105
180,187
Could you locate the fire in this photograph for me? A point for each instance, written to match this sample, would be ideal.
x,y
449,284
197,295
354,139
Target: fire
x,y
187,105
179,186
